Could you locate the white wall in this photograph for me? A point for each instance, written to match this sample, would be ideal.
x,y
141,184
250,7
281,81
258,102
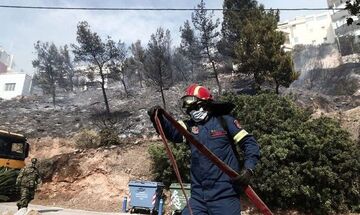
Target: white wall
x,y
27,86
309,30
22,85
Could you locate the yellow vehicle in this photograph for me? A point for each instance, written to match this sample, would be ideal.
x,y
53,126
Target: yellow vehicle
x,y
13,150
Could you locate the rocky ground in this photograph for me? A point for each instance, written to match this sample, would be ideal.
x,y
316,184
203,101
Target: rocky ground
x,y
37,117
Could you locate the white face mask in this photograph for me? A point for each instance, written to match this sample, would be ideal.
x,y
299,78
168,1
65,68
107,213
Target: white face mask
x,y
198,115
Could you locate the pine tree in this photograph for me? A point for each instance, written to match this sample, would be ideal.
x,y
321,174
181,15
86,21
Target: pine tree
x,y
96,53
190,47
250,38
157,65
235,13
209,36
48,64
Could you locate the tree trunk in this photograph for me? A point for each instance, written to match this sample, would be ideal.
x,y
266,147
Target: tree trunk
x,y
161,86
71,83
257,84
53,93
140,78
103,90
215,70
124,85
162,96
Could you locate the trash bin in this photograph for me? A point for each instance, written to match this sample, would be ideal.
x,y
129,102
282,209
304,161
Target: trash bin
x,y
178,201
145,196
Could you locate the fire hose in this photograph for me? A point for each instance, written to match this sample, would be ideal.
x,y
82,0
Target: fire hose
x,y
250,193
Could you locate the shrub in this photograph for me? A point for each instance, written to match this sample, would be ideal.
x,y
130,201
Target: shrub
x,y
310,165
87,138
108,137
161,166
267,113
7,184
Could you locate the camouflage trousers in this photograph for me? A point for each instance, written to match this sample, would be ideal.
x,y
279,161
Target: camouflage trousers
x,y
26,195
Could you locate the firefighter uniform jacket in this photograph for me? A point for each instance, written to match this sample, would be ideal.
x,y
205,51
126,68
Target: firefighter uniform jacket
x,y
208,182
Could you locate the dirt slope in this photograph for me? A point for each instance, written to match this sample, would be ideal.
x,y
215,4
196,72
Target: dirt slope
x,y
94,179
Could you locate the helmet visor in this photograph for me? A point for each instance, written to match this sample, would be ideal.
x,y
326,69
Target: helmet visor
x,y
188,101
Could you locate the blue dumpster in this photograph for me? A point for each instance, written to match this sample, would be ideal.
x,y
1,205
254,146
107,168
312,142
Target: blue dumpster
x,y
145,195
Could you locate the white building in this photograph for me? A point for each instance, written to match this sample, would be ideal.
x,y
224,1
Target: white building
x,y
308,30
339,18
14,84
95,80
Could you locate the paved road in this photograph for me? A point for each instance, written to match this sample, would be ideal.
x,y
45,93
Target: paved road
x,y
10,208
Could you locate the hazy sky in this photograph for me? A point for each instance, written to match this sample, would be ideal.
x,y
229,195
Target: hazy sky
x,y
21,28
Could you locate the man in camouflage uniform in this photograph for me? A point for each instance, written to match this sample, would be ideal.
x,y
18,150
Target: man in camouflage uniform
x,y
27,181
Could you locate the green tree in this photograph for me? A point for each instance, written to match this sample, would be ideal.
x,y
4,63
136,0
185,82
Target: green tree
x,y
96,53
354,9
259,51
67,67
190,48
157,63
235,14
182,66
250,38
48,64
283,74
119,66
208,34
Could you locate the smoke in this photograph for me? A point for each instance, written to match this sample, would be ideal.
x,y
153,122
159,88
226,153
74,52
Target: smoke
x,y
323,69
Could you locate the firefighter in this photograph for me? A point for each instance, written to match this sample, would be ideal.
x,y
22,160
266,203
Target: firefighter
x,y
28,180
212,191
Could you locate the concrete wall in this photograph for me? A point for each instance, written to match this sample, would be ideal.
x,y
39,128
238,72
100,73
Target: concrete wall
x,y
22,85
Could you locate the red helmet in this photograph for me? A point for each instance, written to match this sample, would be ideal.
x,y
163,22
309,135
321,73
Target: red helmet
x,y
195,94
198,91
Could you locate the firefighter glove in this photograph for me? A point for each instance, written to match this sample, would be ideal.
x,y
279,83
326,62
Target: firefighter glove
x,y
244,177
151,112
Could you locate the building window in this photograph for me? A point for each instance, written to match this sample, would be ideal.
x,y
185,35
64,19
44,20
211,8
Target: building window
x,y
10,87
325,39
